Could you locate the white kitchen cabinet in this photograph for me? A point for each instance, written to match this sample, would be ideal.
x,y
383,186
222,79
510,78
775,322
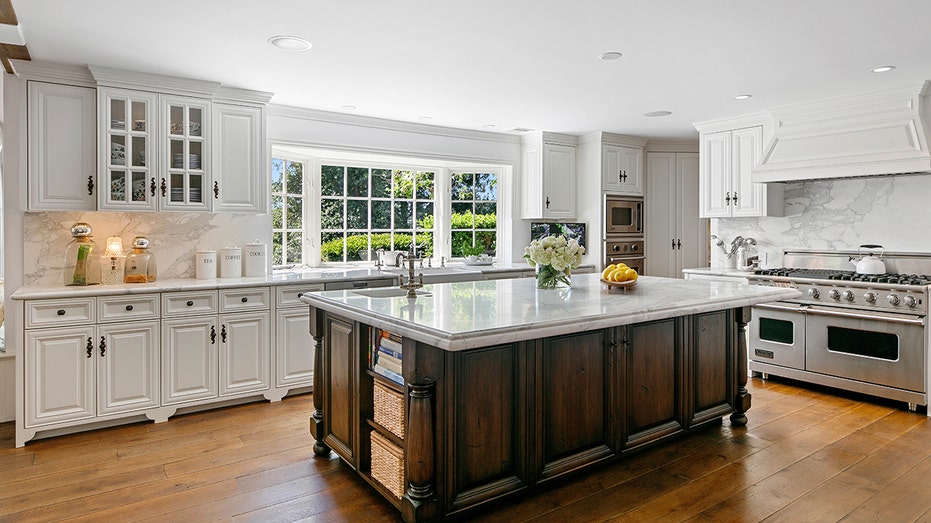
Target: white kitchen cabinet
x,y
128,168
59,375
185,153
244,352
622,169
676,238
62,147
294,346
189,359
240,181
549,179
726,189
127,367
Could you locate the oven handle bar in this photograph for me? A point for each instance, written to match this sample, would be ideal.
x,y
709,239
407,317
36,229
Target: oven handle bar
x,y
917,320
780,306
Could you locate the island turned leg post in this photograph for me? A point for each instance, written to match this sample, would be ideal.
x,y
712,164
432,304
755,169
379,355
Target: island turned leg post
x,y
419,502
742,399
316,330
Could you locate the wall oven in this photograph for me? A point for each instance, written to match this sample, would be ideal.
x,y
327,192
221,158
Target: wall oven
x,y
627,251
623,216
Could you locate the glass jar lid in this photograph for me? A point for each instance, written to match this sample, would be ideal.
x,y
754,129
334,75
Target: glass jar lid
x,y
81,230
140,242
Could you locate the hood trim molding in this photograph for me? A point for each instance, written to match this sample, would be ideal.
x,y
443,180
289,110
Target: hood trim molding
x,y
874,134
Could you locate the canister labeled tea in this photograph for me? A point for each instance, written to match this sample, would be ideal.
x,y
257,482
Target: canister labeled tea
x,y
253,259
231,262
205,262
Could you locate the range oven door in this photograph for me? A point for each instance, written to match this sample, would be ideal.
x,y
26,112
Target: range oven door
x,y
876,347
777,334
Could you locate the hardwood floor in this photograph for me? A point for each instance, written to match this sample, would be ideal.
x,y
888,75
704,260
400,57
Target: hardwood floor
x,y
807,454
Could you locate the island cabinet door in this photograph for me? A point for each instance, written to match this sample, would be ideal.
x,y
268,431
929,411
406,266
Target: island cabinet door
x,y
340,406
652,376
486,438
711,366
575,401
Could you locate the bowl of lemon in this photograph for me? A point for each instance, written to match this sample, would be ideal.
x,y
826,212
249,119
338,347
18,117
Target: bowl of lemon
x,y
618,276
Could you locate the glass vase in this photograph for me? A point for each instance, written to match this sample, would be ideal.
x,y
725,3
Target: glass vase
x,y
550,278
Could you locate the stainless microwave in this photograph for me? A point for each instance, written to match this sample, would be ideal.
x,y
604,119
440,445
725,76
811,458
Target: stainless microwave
x,y
623,215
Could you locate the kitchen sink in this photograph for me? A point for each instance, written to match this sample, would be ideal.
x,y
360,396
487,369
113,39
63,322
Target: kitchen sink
x,y
438,274
390,292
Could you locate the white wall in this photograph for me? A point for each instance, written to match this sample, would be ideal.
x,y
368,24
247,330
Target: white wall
x,y
841,214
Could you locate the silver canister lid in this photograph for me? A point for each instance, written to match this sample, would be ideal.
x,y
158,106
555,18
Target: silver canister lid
x,y
140,242
81,230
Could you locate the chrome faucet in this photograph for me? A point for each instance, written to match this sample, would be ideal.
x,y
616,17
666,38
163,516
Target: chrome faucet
x,y
411,285
378,255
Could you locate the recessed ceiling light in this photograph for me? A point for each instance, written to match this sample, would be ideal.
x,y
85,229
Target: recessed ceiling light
x,y
610,55
883,69
658,113
349,107
290,43
489,126
521,129
426,118
743,97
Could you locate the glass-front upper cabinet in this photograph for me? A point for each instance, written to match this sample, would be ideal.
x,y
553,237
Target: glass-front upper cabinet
x,y
127,156
185,183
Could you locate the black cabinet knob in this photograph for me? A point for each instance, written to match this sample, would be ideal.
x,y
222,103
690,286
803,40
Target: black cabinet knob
x,y
61,312
129,307
244,299
190,303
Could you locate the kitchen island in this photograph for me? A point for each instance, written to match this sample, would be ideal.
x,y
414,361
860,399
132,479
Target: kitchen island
x,y
507,387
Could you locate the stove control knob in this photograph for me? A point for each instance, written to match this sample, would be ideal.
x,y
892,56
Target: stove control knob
x,y
848,295
893,299
834,294
814,293
910,301
870,297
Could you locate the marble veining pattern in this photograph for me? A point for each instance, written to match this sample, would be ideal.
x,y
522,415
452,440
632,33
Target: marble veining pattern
x,y
174,236
840,214
465,315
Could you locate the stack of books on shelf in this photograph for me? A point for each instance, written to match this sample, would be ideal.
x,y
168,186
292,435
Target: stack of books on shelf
x,y
386,356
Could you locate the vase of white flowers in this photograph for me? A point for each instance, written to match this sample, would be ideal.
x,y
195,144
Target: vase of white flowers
x,y
554,258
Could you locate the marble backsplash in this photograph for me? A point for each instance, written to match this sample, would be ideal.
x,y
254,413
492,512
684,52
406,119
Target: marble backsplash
x,y
174,237
840,214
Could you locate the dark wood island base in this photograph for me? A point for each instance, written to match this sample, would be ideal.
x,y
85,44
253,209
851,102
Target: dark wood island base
x,y
486,423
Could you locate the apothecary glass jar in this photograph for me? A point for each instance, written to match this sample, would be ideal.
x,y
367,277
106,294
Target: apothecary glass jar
x,y
82,260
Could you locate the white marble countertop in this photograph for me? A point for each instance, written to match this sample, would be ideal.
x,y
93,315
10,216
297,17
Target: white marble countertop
x,y
719,271
458,316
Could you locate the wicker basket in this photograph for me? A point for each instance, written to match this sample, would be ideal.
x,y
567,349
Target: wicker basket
x,y
388,464
389,409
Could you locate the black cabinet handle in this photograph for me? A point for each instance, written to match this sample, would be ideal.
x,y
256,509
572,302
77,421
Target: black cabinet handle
x,y
164,187
213,335
129,307
244,299
61,312
673,244
190,303
90,185
299,295
679,244
547,202
216,190
620,175
103,346
727,198
152,187
735,197
223,333
90,346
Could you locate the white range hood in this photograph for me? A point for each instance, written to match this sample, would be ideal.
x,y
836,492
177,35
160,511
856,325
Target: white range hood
x,y
868,135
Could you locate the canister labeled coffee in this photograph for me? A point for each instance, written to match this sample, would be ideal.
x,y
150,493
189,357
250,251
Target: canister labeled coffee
x,y
231,262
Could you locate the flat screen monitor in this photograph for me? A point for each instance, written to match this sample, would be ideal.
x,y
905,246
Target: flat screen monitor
x,y
569,230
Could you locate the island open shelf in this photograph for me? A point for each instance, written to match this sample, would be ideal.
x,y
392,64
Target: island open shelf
x,y
531,387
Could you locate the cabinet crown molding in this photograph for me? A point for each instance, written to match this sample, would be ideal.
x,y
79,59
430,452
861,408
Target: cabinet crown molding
x,y
614,138
148,82
77,75
236,95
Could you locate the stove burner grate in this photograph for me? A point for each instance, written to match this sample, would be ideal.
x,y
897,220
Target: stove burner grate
x,y
832,274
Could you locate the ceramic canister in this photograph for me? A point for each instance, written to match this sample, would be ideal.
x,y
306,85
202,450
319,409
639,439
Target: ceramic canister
x,y
205,262
231,262
253,259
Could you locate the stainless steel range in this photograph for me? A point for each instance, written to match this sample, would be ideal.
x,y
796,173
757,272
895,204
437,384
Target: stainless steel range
x,y
861,332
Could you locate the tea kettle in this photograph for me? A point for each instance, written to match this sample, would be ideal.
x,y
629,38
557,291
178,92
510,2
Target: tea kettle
x,y
869,264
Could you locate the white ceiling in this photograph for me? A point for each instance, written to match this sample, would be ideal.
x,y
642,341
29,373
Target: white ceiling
x,y
507,63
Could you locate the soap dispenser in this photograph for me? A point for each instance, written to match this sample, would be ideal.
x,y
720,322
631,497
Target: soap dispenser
x,y
82,260
140,263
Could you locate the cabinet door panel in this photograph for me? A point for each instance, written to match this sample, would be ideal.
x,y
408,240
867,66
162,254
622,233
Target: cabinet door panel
x,y
576,402
715,174
747,149
652,401
59,375
128,161
690,229
662,216
295,348
62,145
189,359
244,352
127,369
712,366
238,159
341,404
559,181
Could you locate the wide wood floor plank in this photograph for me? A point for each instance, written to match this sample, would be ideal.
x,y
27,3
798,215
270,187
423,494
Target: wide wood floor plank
x,y
906,497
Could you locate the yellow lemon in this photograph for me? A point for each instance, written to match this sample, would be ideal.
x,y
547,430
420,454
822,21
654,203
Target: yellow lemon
x,y
605,274
630,275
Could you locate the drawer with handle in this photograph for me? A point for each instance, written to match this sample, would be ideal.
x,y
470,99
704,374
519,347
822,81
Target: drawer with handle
x,y
290,295
56,313
248,299
127,308
187,303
